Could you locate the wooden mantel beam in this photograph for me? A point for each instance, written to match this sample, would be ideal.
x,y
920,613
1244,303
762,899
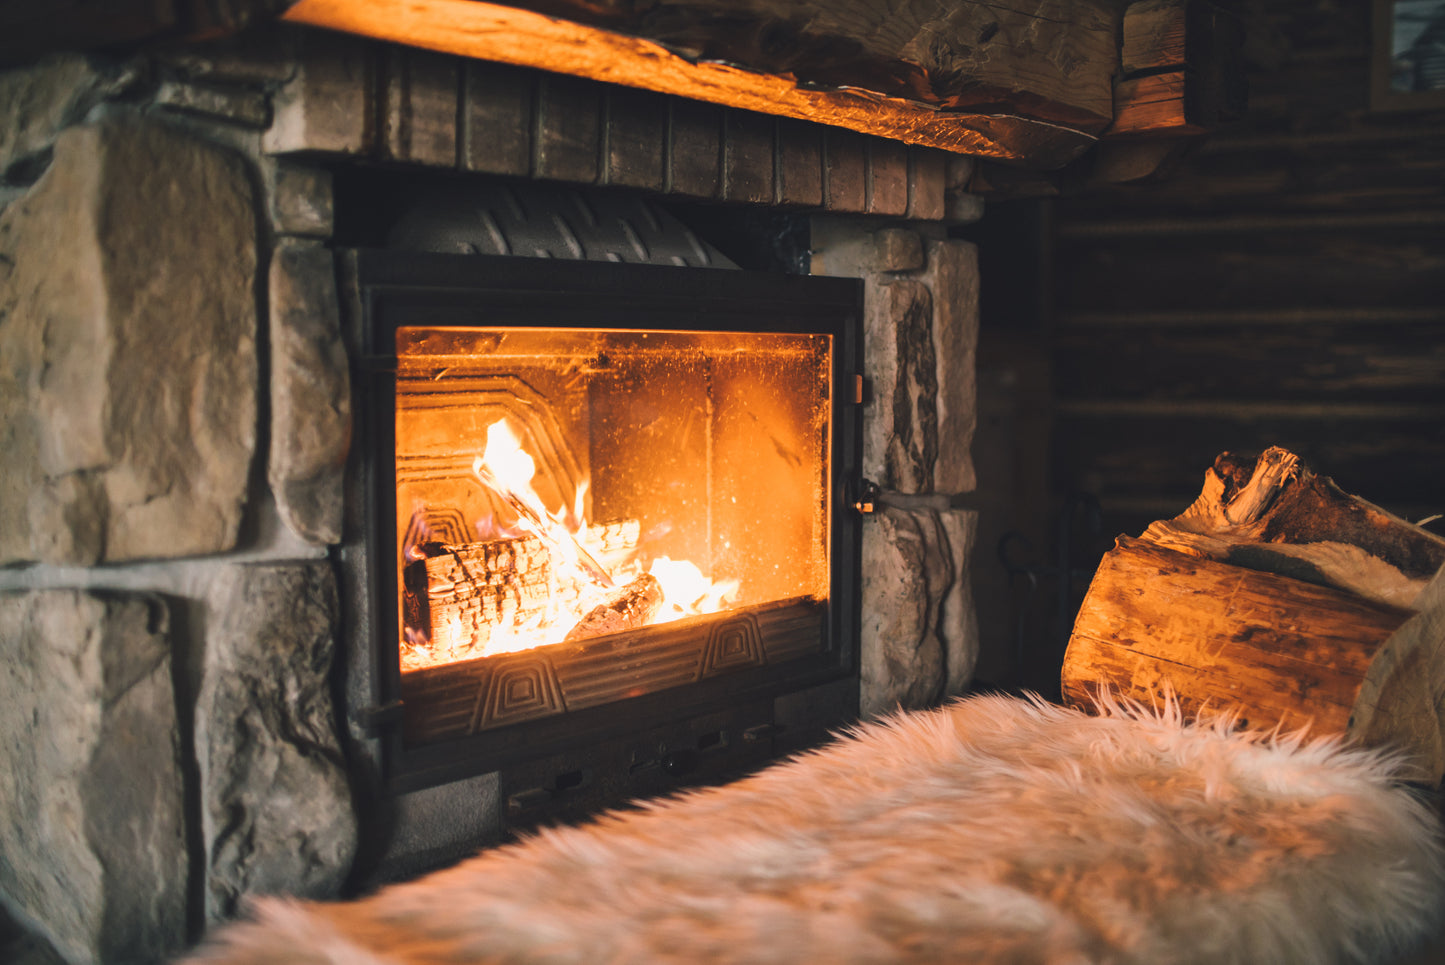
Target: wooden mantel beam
x,y
1025,82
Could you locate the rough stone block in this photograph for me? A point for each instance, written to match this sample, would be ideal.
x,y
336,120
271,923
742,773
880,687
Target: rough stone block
x,y
962,208
325,106
902,661
92,816
958,617
127,357
37,102
920,332
256,58
919,631
905,383
300,200
246,108
952,275
277,813
310,393
897,249
895,313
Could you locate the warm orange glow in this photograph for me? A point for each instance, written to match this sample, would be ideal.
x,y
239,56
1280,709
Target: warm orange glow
x,y
554,486
577,582
488,31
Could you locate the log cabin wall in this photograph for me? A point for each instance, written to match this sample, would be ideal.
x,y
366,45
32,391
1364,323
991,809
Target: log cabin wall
x,y
1282,284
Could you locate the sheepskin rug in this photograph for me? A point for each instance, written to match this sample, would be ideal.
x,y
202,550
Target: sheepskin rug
x,y
993,830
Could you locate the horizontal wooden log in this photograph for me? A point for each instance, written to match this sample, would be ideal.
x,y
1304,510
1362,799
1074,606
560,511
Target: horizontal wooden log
x,y
1011,125
1381,170
457,597
1281,599
1181,71
1373,358
1255,265
1047,59
1277,650
1152,450
1152,104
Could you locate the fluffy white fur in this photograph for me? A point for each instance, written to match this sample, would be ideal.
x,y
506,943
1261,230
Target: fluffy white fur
x,y
995,830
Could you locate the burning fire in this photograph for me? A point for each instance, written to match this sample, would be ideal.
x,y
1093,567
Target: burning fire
x,y
535,578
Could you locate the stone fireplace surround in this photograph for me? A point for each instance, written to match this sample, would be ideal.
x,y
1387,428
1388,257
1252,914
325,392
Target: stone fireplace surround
x,y
175,412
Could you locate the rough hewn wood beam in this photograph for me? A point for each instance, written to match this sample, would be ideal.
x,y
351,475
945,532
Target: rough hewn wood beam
x,y
1180,69
968,118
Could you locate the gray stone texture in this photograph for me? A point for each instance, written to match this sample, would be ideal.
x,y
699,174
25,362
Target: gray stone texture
x,y
92,823
920,331
909,387
310,393
919,632
324,105
902,663
127,353
952,276
300,200
958,617
253,58
246,108
897,249
920,318
277,813
38,101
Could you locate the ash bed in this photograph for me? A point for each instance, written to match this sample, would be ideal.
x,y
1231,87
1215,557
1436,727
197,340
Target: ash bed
x,y
994,829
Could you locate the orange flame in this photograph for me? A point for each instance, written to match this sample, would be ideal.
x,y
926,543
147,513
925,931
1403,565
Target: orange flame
x,y
578,582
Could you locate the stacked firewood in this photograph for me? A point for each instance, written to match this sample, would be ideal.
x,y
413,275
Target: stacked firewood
x,y
459,598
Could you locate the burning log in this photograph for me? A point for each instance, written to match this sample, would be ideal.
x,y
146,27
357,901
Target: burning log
x,y
634,605
1281,598
459,596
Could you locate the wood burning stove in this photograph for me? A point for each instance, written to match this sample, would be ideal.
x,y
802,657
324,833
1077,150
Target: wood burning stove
x,y
609,525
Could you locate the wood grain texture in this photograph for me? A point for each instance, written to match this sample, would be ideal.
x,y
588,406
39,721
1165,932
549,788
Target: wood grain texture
x,y
1278,597
1154,450
1151,104
1367,357
1256,264
1154,34
1058,55
1278,650
1014,121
